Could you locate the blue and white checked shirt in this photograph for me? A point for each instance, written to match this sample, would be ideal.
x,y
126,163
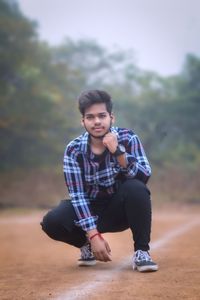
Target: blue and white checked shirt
x,y
88,178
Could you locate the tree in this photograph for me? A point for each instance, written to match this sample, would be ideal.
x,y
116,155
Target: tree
x,y
29,95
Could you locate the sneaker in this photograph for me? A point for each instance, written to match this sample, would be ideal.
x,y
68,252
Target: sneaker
x,y
143,263
87,258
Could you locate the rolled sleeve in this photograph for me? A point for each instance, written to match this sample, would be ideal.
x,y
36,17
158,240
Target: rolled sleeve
x,y
88,223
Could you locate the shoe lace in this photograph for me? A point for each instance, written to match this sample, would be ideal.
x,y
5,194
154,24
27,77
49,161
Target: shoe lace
x,y
142,256
86,251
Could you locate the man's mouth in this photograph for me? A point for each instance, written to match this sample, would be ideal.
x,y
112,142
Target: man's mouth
x,y
98,128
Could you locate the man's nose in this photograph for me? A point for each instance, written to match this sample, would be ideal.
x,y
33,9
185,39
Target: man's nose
x,y
97,120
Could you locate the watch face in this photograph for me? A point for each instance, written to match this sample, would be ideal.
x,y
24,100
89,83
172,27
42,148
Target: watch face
x,y
120,150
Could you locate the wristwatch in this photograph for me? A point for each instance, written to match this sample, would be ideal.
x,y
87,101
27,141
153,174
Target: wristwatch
x,y
120,150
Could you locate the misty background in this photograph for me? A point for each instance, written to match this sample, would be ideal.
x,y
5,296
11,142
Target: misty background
x,y
160,33
144,53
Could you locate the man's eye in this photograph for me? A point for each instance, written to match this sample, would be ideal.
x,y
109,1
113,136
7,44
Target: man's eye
x,y
89,117
102,116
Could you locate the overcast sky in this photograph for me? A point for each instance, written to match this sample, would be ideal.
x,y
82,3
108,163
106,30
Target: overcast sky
x,y
161,32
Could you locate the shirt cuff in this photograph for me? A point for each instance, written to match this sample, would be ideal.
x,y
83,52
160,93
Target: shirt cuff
x,y
131,159
87,223
131,168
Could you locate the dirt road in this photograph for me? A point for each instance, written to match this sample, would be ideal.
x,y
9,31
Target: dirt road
x,y
34,267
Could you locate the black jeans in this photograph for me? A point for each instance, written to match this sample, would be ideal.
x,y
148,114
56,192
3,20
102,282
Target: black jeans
x,y
129,207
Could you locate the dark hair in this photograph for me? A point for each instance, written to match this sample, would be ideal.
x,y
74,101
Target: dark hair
x,y
90,97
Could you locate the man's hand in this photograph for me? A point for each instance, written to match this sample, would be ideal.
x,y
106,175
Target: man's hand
x,y
110,141
100,249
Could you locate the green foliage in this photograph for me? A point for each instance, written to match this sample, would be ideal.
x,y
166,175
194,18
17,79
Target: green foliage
x,y
39,85
29,105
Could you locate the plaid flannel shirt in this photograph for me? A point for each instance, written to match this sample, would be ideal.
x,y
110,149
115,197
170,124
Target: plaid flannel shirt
x,y
88,178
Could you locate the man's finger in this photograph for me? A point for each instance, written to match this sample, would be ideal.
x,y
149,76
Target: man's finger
x,y
108,248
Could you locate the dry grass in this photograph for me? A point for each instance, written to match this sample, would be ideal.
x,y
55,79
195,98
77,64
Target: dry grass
x,y
45,188
175,185
33,188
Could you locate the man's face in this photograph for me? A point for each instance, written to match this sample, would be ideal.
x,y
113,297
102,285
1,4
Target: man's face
x,y
97,121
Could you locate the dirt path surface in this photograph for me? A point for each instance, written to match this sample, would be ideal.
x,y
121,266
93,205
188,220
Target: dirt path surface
x,y
34,267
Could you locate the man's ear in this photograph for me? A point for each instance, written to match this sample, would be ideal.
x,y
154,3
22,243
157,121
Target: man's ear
x,y
82,122
112,118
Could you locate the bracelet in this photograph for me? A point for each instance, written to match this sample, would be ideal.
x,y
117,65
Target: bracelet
x,y
97,233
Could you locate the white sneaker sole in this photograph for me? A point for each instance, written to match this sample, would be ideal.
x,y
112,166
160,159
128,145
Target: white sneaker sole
x,y
145,268
88,263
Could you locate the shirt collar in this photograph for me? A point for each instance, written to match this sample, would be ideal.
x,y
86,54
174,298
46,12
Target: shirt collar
x,y
85,142
86,137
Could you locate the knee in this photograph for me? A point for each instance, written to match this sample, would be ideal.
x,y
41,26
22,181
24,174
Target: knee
x,y
135,188
50,224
